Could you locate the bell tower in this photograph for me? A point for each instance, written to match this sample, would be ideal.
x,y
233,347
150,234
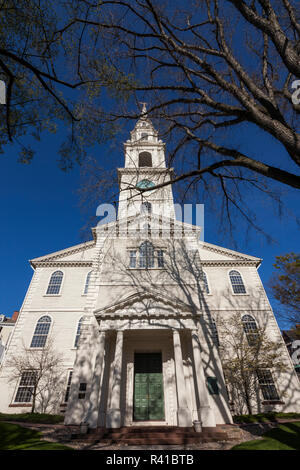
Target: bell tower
x,y
145,167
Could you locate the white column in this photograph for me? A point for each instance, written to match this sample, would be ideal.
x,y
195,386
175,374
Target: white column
x,y
183,413
113,419
205,412
94,399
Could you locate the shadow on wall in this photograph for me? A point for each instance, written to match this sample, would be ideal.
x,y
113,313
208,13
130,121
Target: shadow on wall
x,y
180,287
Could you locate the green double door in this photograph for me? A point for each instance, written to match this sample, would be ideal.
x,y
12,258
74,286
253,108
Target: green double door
x,y
148,387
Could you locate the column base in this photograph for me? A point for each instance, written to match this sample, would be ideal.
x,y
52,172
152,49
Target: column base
x,y
184,418
113,418
207,417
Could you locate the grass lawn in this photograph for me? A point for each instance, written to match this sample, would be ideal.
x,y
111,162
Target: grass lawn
x,y
284,437
32,418
264,417
14,437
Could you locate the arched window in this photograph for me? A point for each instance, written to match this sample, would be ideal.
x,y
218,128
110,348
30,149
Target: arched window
x,y
146,207
237,282
145,159
78,332
87,281
250,328
204,277
55,283
41,332
146,255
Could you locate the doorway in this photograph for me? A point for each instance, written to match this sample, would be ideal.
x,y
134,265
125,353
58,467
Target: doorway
x,y
148,401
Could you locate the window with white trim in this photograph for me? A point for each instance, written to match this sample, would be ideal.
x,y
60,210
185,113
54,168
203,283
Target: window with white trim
x,y
132,262
68,386
146,252
82,390
146,257
237,282
41,332
160,258
250,329
78,332
87,281
26,387
204,278
267,385
55,283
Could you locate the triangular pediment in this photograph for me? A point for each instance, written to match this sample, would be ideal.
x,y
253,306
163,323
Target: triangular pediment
x,y
161,226
135,223
81,252
208,251
145,302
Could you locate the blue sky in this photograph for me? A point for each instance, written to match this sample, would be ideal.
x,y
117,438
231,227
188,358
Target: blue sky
x,y
40,214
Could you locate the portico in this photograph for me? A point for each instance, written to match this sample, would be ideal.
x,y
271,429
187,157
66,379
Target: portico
x,y
148,373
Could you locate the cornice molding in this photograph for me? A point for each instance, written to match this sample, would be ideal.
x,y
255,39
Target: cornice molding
x,y
145,169
230,263
226,251
132,315
60,254
57,263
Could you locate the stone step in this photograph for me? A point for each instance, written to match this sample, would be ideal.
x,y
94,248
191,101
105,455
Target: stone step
x,y
165,430
179,440
150,437
138,429
146,435
149,441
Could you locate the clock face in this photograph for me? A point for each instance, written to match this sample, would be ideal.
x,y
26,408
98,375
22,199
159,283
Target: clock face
x,y
145,184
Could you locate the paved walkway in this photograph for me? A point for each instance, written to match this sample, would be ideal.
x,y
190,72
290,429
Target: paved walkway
x,y
62,434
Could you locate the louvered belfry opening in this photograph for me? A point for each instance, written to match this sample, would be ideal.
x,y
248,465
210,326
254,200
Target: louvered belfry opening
x,y
145,159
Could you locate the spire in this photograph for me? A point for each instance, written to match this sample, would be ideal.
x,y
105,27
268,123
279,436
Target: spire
x,y
144,132
144,110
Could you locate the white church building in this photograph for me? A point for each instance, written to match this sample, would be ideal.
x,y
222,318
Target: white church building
x,y
134,314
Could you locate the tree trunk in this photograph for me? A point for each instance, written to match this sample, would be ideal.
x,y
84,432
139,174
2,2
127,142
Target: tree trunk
x,y
33,401
247,399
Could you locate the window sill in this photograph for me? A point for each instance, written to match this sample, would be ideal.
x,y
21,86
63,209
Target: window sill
x,y
240,294
16,405
145,269
52,295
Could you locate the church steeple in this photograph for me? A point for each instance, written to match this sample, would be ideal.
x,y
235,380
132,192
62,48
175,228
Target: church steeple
x,y
145,166
144,140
